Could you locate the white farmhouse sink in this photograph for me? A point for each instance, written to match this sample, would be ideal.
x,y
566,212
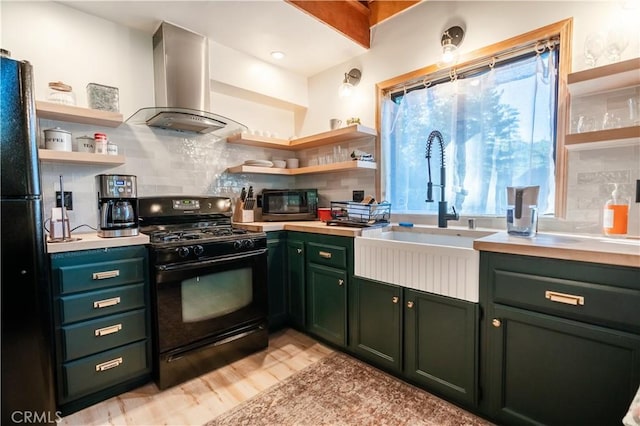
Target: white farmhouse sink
x,y
435,260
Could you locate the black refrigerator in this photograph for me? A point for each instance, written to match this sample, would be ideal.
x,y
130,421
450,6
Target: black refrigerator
x,y
27,366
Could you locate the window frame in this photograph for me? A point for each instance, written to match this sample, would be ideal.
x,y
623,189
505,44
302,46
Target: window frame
x,y
561,30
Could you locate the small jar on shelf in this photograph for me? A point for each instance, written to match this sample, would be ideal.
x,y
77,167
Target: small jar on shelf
x,y
101,143
61,93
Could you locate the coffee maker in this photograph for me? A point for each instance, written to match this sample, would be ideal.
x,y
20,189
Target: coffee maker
x,y
117,205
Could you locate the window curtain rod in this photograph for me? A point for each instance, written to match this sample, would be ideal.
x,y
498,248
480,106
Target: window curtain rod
x,y
474,65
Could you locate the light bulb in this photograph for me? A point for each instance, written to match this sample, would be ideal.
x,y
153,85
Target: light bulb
x,y
449,52
344,90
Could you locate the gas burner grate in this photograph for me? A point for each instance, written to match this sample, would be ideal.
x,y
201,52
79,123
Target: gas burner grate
x,y
196,233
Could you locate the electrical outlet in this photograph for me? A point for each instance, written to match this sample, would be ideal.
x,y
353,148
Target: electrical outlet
x,y
68,200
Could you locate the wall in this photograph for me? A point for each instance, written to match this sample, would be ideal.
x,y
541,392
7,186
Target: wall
x,y
411,41
65,44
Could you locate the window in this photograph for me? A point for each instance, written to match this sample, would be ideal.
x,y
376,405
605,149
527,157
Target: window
x,y
499,127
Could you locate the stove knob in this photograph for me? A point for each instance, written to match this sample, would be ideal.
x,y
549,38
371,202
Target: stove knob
x,y
198,250
183,251
249,243
237,244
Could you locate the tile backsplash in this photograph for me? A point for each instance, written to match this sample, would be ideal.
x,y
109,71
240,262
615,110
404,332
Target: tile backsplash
x,y
172,163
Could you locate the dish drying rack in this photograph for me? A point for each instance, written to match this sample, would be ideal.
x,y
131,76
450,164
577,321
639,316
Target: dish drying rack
x,y
351,213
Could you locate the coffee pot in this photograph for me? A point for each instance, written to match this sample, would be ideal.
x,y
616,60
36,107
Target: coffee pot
x,y
117,205
522,210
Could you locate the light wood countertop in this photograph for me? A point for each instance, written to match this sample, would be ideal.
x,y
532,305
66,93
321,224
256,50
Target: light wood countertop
x,y
313,227
91,240
612,251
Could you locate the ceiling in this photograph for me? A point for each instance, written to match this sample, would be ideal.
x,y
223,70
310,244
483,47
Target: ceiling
x,y
254,27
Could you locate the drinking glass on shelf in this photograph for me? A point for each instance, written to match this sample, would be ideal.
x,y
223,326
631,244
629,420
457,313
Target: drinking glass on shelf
x,y
610,121
594,47
632,105
617,41
585,124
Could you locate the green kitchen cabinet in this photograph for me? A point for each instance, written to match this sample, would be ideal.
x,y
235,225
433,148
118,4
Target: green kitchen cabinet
x,y
441,344
376,315
296,280
561,340
277,279
101,320
328,268
428,339
327,303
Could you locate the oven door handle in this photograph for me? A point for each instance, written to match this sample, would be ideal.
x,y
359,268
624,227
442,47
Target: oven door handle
x,y
200,264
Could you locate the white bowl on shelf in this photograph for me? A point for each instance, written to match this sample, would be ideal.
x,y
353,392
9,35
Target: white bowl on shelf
x,y
281,164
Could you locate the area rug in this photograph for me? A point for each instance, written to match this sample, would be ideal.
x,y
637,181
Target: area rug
x,y
340,390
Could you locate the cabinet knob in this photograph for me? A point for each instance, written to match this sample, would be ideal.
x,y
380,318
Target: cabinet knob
x,y
496,322
340,282
299,251
395,299
409,304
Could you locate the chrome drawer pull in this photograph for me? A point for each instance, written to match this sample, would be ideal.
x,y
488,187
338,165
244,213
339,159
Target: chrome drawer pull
x,y
569,299
106,303
106,274
109,364
395,299
108,330
325,254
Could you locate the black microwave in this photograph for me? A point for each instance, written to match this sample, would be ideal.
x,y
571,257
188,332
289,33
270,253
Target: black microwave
x,y
289,204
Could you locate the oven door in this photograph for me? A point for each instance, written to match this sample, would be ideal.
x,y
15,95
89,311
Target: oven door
x,y
200,300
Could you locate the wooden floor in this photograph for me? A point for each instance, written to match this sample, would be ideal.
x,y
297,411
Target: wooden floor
x,y
200,400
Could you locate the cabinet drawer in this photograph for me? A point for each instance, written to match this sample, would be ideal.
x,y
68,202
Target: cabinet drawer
x,y
586,301
105,369
91,276
328,255
78,307
90,337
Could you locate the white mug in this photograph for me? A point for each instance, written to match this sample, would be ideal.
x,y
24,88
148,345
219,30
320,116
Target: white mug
x,y
335,123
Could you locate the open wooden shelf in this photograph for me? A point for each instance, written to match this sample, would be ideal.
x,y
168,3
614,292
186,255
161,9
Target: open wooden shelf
x,y
605,78
603,135
74,114
343,134
50,156
327,168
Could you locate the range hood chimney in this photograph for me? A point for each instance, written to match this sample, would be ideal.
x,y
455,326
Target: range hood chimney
x,y
181,80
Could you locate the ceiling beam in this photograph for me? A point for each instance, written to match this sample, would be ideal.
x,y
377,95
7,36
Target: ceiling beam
x,y
351,17
385,9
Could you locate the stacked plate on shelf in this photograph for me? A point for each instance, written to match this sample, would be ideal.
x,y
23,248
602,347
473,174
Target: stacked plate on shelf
x,y
258,163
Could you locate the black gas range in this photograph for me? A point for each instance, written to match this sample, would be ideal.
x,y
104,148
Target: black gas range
x,y
185,229
209,286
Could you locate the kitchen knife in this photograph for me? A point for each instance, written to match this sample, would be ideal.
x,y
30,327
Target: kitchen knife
x,y
243,194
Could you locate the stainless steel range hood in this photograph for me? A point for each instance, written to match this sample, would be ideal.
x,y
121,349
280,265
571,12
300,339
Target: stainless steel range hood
x,y
181,79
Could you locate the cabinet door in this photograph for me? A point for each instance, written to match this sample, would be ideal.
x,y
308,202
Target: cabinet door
x,y
376,334
327,303
441,344
547,370
277,279
296,281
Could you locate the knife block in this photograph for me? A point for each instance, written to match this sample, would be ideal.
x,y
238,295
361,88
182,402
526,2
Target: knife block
x,y
240,215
